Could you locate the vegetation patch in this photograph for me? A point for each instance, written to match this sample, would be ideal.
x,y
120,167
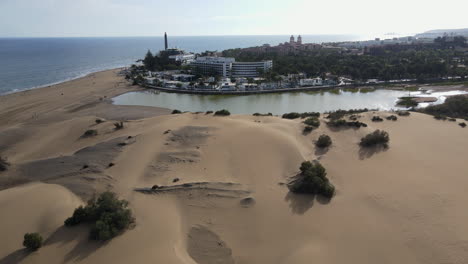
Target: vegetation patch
x,y
312,180
209,112
324,141
403,113
407,102
462,124
312,121
392,118
440,117
378,137
32,241
294,115
108,216
343,123
454,106
377,119
258,114
308,129
338,114
99,121
223,112
118,125
90,133
175,111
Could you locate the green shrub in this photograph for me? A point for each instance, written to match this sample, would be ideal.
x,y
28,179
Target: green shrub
x,y
323,141
175,111
108,215
119,125
312,121
209,112
99,121
462,124
292,115
312,179
454,106
308,129
223,112
3,164
407,102
90,133
440,117
377,119
392,118
310,114
258,114
343,123
403,113
338,114
375,138
32,241
452,119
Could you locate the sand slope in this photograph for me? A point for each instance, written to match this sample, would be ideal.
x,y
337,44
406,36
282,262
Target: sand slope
x,y
224,198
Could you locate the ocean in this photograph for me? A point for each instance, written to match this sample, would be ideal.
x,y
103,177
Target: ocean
x,y
27,63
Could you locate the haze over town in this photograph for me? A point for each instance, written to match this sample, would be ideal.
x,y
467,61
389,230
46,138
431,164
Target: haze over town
x,y
54,18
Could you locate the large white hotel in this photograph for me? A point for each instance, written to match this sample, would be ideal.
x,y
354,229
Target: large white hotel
x,y
228,67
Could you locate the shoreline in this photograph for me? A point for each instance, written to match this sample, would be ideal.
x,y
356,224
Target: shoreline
x,y
59,82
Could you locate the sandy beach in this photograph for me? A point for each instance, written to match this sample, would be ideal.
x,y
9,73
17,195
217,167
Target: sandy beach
x,y
404,204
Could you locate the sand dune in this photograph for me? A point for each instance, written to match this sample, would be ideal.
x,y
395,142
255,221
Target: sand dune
x,y
223,197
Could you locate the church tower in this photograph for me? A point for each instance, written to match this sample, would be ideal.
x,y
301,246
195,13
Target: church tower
x,y
291,40
299,40
165,41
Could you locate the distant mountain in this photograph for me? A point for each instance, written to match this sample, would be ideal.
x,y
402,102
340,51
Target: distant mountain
x,y
441,32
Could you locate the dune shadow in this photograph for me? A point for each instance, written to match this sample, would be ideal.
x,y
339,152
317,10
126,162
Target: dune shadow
x,y
367,152
15,257
322,199
299,203
321,151
83,248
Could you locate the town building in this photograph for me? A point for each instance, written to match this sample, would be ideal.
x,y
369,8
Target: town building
x,y
292,46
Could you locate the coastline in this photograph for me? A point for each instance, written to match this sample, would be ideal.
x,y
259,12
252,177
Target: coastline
x,y
89,95
60,82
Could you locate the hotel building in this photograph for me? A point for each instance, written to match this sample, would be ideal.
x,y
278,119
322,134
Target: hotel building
x,y
228,67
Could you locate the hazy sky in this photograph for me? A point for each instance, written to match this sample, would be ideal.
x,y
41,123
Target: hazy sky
x,y
51,18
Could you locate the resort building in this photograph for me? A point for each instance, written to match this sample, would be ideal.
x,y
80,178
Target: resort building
x,y
213,66
250,69
311,82
228,67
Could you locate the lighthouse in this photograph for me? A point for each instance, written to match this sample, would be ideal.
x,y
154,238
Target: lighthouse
x,y
165,41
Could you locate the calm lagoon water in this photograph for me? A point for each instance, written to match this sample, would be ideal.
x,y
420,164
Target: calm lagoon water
x,y
275,103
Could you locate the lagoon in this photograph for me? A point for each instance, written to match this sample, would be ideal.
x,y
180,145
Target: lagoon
x,y
276,103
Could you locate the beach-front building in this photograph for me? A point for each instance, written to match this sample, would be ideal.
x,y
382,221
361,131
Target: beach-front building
x,y
228,67
311,82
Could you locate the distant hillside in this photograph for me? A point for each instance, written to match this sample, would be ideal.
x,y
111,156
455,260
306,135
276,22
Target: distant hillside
x,y
441,32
